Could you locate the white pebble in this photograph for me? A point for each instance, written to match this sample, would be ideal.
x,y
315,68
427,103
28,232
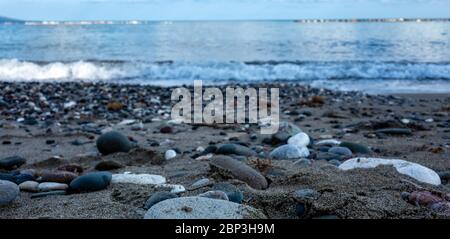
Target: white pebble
x,y
170,154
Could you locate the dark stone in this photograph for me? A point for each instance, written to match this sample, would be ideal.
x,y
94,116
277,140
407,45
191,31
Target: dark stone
x,y
7,177
12,162
236,149
113,142
74,168
6,142
23,177
234,194
300,210
328,156
166,130
91,182
356,148
45,194
340,151
108,165
50,141
158,197
395,131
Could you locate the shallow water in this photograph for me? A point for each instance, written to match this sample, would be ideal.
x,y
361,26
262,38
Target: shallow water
x,y
374,57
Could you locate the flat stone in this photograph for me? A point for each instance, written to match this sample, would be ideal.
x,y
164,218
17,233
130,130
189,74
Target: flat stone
x,y
201,208
143,179
238,170
45,187
8,192
395,131
289,152
200,183
414,170
46,194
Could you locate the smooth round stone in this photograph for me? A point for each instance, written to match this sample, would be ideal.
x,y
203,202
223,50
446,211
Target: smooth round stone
x,y
45,187
91,182
170,154
356,148
230,167
233,193
142,179
7,177
12,162
340,151
300,140
306,194
29,186
158,197
8,192
201,208
289,152
215,195
235,149
108,165
113,142
200,183
285,131
58,177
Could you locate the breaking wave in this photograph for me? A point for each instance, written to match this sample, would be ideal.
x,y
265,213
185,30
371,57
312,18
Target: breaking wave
x,y
172,73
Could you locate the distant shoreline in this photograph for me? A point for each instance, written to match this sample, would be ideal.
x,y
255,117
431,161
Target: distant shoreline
x,y
144,22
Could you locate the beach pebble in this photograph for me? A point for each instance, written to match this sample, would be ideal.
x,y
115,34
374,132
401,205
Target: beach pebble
x,y
45,187
233,193
286,130
303,162
74,168
170,154
214,195
91,182
57,177
340,151
113,142
46,194
174,188
230,167
395,131
12,162
356,148
108,165
414,170
328,142
201,208
200,183
289,152
22,177
8,192
158,197
143,179
29,186
235,149
300,140
70,104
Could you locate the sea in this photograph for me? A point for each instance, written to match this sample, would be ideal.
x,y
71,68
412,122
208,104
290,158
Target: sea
x,y
374,57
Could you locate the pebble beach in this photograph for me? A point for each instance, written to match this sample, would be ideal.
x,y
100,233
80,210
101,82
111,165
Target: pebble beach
x,y
96,150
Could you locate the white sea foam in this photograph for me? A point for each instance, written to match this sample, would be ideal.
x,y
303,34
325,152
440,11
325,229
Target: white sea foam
x,y
367,76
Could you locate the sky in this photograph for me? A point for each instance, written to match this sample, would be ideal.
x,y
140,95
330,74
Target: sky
x,y
220,9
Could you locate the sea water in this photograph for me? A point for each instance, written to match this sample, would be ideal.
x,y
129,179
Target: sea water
x,y
382,57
